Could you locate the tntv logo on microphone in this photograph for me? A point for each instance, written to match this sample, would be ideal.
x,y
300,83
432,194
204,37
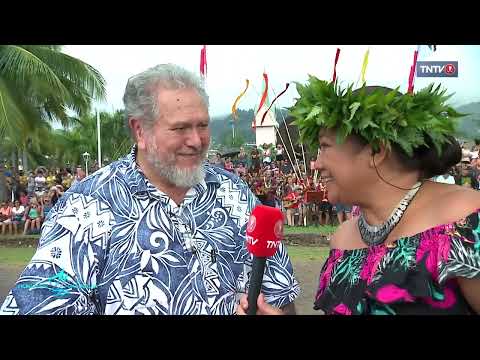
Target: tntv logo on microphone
x,y
437,69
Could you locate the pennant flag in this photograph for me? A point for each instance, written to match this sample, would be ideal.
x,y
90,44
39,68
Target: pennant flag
x,y
234,107
364,65
203,61
265,92
335,65
262,101
411,78
266,112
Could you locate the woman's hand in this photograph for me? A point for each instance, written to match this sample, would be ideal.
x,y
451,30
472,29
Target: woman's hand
x,y
262,307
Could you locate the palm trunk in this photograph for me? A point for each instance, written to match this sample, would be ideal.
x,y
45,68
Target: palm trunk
x,y
14,163
3,185
24,161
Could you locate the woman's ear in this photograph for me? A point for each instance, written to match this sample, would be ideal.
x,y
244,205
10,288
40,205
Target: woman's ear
x,y
377,156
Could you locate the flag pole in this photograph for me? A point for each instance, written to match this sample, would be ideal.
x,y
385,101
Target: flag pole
x,y
99,141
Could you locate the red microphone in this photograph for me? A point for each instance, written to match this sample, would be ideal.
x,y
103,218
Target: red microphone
x,y
264,232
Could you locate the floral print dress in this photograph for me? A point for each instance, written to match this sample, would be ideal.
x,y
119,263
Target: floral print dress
x,y
417,276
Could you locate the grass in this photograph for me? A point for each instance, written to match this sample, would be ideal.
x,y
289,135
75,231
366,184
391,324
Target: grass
x,y
16,256
323,229
19,256
307,253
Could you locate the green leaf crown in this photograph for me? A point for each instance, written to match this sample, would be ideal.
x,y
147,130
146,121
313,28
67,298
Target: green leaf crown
x,y
409,120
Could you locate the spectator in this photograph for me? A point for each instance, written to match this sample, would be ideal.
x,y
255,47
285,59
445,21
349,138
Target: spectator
x,y
79,176
241,170
228,165
325,207
18,211
343,212
33,216
466,177
255,156
50,179
5,215
279,155
23,199
40,184
267,154
30,184
242,157
46,206
218,161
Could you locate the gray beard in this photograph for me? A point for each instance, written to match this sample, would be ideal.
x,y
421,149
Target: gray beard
x,y
185,178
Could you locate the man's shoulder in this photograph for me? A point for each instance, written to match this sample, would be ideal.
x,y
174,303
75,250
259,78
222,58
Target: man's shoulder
x,y
115,174
215,173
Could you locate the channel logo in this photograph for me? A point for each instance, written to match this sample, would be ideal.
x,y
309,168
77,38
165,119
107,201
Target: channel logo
x,y
437,69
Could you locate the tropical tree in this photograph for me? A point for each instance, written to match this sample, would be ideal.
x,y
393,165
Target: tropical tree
x,y
71,143
40,85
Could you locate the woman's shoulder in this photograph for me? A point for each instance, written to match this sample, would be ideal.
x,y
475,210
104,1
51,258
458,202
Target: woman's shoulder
x,y
449,203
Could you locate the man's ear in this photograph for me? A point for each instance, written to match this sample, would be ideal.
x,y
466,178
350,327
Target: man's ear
x,y
138,133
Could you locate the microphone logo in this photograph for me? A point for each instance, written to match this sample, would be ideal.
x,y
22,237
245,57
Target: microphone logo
x,y
252,223
278,229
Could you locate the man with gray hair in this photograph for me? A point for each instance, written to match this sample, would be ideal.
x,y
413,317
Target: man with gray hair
x,y
157,232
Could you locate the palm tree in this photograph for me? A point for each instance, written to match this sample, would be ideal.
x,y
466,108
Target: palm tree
x,y
38,85
70,143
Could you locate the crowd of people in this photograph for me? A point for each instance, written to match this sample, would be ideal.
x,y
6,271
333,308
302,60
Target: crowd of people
x,y
266,169
304,199
32,196
294,188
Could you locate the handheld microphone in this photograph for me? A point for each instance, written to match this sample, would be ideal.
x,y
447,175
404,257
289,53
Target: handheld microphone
x,y
264,232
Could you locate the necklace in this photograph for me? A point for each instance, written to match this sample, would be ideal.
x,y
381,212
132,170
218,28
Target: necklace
x,y
375,235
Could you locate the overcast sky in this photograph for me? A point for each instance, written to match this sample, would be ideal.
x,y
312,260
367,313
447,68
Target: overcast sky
x,y
230,65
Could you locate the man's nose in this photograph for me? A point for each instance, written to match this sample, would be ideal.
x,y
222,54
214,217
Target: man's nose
x,y
194,139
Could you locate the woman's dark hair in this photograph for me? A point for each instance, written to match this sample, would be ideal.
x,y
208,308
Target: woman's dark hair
x,y
425,158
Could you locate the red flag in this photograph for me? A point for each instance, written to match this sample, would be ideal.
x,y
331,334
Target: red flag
x,y
411,78
203,61
283,92
265,92
335,65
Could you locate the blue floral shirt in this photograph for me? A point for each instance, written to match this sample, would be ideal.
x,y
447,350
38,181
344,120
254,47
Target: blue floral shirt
x,y
115,244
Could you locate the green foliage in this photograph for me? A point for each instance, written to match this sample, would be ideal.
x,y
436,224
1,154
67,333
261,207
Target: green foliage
x,y
82,137
381,119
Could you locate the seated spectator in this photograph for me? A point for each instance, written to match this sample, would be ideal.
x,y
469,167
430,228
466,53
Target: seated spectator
x,y
18,211
23,199
33,216
5,215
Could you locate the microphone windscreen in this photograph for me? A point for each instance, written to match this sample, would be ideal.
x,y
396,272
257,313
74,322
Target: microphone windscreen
x,y
264,231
